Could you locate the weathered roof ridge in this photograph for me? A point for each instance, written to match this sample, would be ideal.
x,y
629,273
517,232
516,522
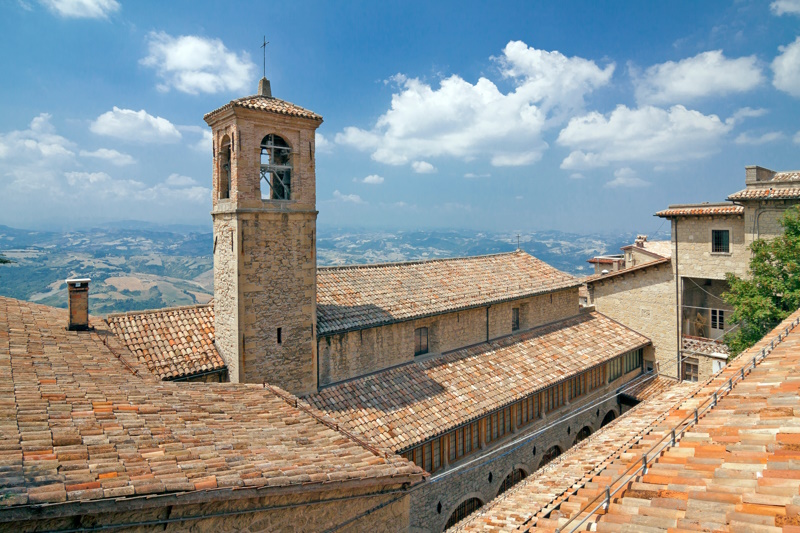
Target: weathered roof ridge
x,y
267,103
158,310
418,261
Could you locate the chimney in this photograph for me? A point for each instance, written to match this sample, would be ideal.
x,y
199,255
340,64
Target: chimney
x,y
640,240
78,304
755,174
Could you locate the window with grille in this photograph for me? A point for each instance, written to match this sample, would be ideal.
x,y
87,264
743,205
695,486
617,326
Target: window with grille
x,y
515,319
614,369
717,319
511,479
462,511
420,341
720,241
633,360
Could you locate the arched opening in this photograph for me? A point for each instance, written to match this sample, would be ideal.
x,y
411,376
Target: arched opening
x,y
549,455
276,168
583,434
610,416
224,171
464,509
511,479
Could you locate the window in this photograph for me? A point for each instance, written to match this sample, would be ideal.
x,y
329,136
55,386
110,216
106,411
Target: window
x,y
462,511
720,241
528,410
614,369
717,319
498,424
633,360
691,370
515,319
553,397
420,341
463,441
276,168
511,479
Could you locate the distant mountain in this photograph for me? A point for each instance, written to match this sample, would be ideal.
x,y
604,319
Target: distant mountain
x,y
135,265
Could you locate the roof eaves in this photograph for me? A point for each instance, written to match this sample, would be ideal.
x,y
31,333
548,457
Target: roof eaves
x,y
616,273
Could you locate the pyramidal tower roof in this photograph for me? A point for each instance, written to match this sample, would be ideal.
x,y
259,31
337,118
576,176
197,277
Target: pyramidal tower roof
x,y
264,101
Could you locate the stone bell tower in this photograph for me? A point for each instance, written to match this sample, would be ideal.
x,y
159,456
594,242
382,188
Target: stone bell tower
x,y
265,261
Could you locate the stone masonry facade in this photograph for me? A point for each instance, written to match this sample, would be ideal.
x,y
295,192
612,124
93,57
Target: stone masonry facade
x,y
348,355
694,254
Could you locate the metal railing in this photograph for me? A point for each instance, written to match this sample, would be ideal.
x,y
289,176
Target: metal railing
x,y
603,500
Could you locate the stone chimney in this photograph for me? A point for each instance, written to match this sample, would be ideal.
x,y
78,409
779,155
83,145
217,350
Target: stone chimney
x,y
264,88
754,174
78,303
640,240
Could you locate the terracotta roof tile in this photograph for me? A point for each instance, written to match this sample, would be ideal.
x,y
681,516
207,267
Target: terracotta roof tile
x,y
780,193
791,175
702,210
650,388
267,103
733,470
362,296
600,277
420,400
84,415
173,342
704,346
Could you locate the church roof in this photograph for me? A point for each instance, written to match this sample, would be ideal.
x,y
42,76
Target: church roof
x,y
406,405
733,470
172,343
363,296
84,421
269,104
698,210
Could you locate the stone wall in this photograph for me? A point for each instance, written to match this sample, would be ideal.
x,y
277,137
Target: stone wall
x,y
226,292
382,513
355,353
645,302
694,255
489,467
762,219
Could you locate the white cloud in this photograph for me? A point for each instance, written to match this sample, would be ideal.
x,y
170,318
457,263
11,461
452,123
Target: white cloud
x,y
786,68
136,126
743,113
372,179
90,9
796,138
174,189
576,176
706,74
472,175
38,142
322,144
468,121
193,64
626,177
644,134
176,180
783,7
112,156
746,138
347,198
423,167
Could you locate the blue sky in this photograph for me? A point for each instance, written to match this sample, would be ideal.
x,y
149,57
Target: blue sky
x,y
576,116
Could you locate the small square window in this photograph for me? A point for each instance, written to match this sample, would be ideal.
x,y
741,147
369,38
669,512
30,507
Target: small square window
x,y
420,341
720,241
717,319
515,319
691,370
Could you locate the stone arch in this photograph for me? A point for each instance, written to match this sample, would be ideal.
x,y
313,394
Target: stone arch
x,y
514,476
583,434
549,455
277,167
465,506
611,415
224,168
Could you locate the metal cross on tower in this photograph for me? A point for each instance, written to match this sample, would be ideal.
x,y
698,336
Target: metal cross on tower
x,y
517,241
264,47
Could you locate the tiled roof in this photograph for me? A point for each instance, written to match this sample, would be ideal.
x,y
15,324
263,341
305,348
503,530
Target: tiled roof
x,y
735,470
791,175
403,406
704,346
779,193
84,420
362,296
650,387
702,210
605,260
267,103
624,271
172,342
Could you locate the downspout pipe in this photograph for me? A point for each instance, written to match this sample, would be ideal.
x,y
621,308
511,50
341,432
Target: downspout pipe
x,y
678,305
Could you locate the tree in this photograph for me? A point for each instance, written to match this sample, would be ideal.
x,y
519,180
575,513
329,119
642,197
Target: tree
x,y
772,292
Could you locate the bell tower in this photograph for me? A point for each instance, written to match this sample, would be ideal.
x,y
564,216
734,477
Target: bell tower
x,y
265,261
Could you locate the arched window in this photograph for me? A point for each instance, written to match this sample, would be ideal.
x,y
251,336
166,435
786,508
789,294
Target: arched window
x,y
583,434
225,168
551,454
276,168
610,416
511,479
463,510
